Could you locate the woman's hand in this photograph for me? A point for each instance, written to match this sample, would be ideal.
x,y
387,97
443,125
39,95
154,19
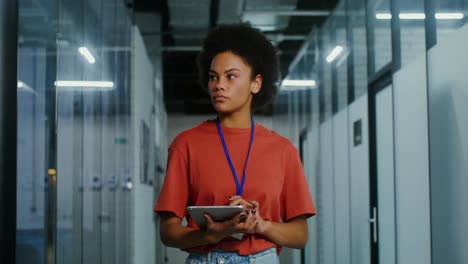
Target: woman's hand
x,y
240,223
262,225
253,208
238,200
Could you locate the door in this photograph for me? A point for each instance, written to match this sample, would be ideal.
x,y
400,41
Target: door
x,y
382,177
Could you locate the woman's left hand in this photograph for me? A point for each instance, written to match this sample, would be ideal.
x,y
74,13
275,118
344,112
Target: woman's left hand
x,y
238,200
251,207
261,225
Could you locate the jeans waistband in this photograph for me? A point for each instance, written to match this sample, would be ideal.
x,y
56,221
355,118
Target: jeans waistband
x,y
222,253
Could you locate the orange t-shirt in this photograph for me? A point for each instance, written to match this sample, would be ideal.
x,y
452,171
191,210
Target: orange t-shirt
x,y
198,173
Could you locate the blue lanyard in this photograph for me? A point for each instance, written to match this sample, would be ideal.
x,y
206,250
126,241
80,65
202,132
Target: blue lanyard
x,y
239,186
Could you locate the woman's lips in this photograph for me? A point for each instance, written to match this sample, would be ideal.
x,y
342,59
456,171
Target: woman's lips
x,y
219,98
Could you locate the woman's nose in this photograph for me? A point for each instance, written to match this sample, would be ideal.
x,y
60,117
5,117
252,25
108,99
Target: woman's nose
x,y
219,85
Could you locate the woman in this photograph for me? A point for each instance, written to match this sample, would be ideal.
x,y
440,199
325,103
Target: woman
x,y
232,160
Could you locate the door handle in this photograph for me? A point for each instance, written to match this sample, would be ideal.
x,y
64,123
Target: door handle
x,y
373,221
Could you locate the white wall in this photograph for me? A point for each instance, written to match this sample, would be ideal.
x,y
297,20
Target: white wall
x,y
310,158
325,196
143,96
385,175
448,122
341,185
359,184
412,164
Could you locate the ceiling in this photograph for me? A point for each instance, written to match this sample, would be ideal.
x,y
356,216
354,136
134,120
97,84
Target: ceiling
x,y
177,27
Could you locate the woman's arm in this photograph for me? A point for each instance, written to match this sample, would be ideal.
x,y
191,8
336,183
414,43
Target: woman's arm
x,y
174,234
292,234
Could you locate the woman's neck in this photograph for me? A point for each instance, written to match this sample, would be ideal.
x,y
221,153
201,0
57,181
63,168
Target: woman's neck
x,y
236,121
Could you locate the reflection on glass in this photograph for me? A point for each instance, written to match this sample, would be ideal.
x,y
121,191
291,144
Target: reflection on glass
x,y
36,42
358,35
380,51
74,80
412,30
326,46
339,56
450,15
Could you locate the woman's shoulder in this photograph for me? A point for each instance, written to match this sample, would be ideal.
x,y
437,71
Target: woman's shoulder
x,y
194,133
274,136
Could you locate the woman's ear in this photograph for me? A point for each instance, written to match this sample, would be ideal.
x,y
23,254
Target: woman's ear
x,y
256,84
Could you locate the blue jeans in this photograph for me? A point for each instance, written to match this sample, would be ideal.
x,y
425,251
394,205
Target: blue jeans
x,y
268,256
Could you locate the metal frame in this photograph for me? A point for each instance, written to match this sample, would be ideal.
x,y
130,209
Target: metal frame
x,y
8,128
375,85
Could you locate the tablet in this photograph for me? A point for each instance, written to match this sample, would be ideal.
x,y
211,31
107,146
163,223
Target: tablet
x,y
218,213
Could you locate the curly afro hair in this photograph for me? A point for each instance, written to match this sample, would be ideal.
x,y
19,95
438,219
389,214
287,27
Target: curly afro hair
x,y
251,45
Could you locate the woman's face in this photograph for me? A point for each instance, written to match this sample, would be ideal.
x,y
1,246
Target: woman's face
x,y
230,84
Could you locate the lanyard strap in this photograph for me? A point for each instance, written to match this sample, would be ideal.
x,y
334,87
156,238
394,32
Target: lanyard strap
x,y
239,186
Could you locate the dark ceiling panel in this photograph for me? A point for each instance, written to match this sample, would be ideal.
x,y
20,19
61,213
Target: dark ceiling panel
x,y
182,93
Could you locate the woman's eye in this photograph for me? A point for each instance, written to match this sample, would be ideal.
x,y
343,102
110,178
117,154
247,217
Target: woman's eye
x,y
231,76
212,77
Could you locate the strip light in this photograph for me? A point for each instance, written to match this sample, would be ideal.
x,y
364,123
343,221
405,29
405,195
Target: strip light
x,y
334,53
298,83
414,16
386,16
84,84
383,16
449,16
87,54
296,88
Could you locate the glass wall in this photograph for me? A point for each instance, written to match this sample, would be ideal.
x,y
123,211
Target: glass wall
x,y
449,16
74,149
340,40
416,48
325,83
356,22
36,92
412,30
379,34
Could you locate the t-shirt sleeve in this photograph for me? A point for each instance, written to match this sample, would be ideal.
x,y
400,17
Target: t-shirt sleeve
x,y
174,193
295,197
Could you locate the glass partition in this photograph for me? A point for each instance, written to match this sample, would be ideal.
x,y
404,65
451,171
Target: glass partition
x,y
358,35
82,127
340,63
412,30
325,72
379,33
36,71
449,16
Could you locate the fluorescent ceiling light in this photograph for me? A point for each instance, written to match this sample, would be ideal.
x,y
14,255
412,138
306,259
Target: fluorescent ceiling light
x,y
449,16
87,54
383,16
297,88
334,53
387,16
412,16
84,84
298,83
